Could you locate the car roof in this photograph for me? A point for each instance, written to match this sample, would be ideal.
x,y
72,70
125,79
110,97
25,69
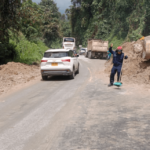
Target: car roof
x,y
58,50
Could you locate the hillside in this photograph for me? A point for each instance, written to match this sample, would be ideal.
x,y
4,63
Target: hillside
x,y
27,29
116,21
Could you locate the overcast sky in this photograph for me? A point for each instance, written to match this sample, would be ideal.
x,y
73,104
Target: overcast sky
x,y
61,4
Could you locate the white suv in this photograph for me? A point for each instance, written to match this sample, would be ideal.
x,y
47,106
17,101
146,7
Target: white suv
x,y
59,62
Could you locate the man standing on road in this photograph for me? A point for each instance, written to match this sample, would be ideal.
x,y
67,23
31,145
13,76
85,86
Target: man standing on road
x,y
118,57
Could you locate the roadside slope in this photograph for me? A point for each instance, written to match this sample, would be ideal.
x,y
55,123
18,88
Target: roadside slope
x,y
135,69
16,74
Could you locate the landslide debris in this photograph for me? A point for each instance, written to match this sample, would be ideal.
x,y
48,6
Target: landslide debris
x,y
135,68
13,74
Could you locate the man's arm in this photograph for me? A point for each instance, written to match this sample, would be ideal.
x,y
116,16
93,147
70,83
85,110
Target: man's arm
x,y
110,49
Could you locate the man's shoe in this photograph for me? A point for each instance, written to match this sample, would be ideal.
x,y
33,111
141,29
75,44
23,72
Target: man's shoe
x,y
109,85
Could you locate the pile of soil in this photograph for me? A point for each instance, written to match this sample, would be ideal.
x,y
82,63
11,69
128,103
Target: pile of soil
x,y
135,68
13,74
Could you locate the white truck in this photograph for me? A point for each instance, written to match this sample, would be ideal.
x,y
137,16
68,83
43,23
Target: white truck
x,y
69,43
97,49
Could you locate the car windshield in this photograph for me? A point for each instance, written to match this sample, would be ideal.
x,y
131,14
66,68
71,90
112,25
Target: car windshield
x,y
55,54
83,49
68,40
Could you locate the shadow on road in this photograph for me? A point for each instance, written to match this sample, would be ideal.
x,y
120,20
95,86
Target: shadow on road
x,y
117,88
57,78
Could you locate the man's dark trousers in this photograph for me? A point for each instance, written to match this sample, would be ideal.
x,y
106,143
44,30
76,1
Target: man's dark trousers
x,y
113,72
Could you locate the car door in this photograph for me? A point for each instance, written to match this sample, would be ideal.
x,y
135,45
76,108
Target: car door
x,y
71,54
76,59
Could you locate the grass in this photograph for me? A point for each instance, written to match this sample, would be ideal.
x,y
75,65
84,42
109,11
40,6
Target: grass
x,y
28,52
117,40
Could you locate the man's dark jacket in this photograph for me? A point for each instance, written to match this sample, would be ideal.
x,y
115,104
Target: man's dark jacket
x,y
117,58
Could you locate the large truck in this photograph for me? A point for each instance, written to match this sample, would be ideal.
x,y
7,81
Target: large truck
x,y
97,49
69,43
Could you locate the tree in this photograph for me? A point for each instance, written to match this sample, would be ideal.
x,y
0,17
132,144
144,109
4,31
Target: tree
x,y
107,19
31,20
9,18
51,25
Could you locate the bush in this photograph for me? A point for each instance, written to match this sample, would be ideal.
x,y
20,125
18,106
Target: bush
x,y
7,52
28,52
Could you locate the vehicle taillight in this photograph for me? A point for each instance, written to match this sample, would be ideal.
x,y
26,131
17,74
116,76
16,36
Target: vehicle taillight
x,y
43,60
65,60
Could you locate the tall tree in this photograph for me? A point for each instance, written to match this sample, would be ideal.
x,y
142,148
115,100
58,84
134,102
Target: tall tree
x,y
51,23
105,19
9,18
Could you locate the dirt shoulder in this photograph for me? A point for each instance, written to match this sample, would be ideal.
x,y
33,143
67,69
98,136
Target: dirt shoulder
x,y
14,76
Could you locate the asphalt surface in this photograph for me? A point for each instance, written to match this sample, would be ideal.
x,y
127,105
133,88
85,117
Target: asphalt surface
x,y
79,114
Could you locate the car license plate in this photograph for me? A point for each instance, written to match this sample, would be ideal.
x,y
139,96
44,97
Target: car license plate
x,y
54,64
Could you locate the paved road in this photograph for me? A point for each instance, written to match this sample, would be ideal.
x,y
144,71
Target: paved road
x,y
80,114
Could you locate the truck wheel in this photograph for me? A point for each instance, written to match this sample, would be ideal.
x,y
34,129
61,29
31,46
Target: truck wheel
x,y
44,77
90,55
101,56
104,55
86,55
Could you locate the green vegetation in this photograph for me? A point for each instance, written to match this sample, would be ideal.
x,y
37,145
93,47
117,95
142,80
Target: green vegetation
x,y
28,29
117,21
27,51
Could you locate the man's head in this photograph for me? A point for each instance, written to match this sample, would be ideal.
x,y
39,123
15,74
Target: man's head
x,y
119,50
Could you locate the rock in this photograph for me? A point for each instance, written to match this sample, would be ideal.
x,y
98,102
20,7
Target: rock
x,y
16,73
138,48
35,63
